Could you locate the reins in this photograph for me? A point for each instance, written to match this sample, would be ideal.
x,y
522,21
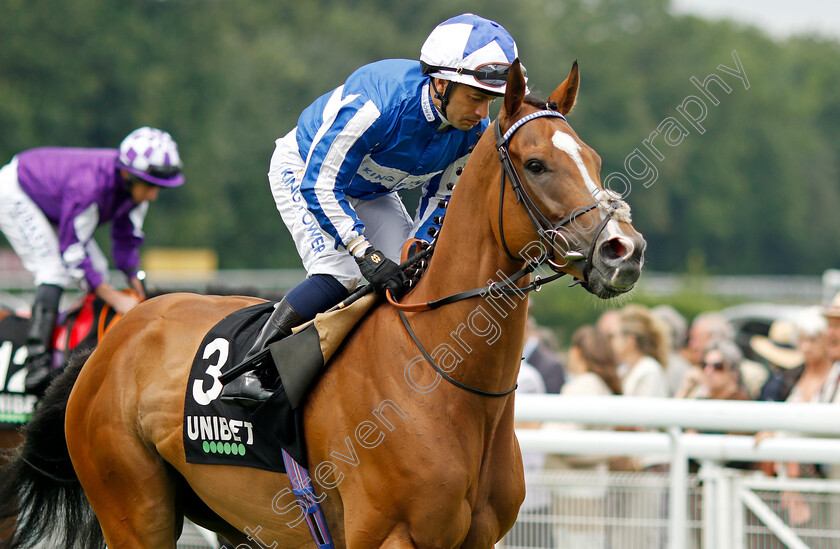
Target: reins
x,y
504,288
440,370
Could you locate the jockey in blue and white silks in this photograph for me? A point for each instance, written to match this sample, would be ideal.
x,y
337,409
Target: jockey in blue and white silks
x,y
393,125
377,134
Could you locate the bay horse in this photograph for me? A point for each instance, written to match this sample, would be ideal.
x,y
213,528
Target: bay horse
x,y
400,457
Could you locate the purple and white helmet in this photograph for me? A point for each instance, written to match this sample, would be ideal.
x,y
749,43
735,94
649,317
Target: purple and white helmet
x,y
152,155
471,50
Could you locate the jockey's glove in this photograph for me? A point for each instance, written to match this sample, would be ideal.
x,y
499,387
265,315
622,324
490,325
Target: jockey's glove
x,y
382,273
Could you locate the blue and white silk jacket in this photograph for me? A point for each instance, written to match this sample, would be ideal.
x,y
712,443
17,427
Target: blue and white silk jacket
x,y
378,133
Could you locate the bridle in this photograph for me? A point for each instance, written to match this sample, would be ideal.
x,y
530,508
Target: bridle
x,y
547,230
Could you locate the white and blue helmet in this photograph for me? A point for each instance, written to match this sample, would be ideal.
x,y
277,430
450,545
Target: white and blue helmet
x,y
471,50
152,155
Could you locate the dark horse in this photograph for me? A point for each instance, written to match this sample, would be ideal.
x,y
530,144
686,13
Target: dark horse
x,y
82,324
401,457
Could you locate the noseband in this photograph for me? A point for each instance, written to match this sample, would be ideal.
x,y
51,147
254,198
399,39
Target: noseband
x,y
547,230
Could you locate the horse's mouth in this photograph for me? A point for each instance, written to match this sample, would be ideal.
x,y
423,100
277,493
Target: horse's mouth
x,y
609,292
606,292
620,281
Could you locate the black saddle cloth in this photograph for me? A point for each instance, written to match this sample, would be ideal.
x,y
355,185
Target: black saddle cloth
x,y
218,433
15,407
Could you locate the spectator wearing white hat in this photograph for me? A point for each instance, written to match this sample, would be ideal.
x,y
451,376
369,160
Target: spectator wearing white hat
x,y
819,379
832,346
832,334
786,362
712,326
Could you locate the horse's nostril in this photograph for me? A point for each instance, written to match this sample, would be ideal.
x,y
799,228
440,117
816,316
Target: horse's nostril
x,y
613,249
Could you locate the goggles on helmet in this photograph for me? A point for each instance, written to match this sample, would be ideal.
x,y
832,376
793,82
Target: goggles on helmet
x,y
489,74
164,172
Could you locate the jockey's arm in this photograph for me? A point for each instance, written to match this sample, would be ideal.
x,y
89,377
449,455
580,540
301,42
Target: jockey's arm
x,y
331,165
137,285
77,223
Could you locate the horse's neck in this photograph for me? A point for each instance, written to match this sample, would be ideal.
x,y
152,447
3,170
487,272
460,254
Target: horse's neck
x,y
467,253
487,333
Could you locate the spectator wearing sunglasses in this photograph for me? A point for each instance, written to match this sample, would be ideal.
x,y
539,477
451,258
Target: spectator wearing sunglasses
x,y
718,377
706,328
393,125
721,373
52,199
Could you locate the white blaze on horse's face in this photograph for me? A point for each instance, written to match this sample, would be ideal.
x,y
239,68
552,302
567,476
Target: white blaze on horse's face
x,y
568,145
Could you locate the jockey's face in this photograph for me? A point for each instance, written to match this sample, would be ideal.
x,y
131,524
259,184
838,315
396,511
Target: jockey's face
x,y
467,105
142,191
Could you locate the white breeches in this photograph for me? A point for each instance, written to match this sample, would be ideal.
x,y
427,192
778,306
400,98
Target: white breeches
x,y
387,223
34,238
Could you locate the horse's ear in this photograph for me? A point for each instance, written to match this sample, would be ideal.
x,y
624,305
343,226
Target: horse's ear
x,y
566,93
515,89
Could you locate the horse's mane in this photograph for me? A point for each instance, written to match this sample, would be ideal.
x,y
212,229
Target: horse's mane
x,y
538,102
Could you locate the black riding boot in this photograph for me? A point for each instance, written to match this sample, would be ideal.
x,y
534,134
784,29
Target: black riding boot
x,y
247,390
39,339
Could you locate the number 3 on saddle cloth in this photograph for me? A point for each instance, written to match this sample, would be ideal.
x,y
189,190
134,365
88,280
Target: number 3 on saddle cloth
x,y
82,325
271,436
218,433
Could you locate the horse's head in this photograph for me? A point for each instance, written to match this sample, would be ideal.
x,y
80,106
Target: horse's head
x,y
561,212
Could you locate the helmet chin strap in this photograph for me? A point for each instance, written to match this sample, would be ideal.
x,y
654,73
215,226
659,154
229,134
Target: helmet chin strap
x,y
444,99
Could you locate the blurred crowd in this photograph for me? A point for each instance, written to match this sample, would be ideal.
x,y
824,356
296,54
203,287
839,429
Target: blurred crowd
x,y
656,352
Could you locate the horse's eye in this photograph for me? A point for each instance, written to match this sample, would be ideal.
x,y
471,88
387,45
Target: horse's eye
x,y
535,166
